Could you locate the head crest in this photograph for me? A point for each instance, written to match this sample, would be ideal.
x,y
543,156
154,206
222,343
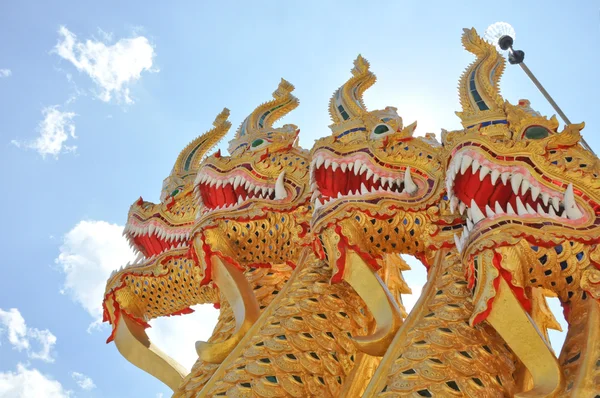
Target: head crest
x,y
478,87
347,101
261,120
187,163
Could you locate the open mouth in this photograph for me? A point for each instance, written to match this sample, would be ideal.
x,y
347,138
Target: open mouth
x,y
488,191
150,238
335,178
227,192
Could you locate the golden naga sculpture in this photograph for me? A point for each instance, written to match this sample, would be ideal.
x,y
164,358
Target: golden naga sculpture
x,y
532,198
301,253
254,218
164,280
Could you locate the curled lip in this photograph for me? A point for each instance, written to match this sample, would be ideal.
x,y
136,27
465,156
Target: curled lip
x,y
493,193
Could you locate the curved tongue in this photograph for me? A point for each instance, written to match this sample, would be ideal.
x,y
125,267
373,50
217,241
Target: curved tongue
x,y
280,192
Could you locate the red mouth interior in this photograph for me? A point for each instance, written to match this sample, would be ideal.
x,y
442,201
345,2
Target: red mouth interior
x,y
153,245
467,186
331,183
214,197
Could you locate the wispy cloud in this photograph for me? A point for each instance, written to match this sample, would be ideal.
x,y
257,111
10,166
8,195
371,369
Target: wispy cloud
x,y
21,337
29,383
83,381
112,67
5,73
89,253
55,129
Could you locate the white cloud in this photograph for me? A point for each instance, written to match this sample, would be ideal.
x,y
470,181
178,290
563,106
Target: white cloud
x,y
55,129
114,68
5,73
90,251
30,383
21,337
84,382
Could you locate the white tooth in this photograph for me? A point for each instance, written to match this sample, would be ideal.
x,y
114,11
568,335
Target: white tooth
x,y
465,163
280,192
462,207
339,195
319,162
535,191
343,166
521,210
474,166
219,183
489,212
498,208
231,180
504,176
327,163
484,171
540,210
476,212
265,189
363,168
495,174
515,182
571,209
555,203
551,211
530,209
469,213
457,243
369,173
375,178
380,189
469,224
409,185
525,185
357,166
545,198
334,166
236,182
453,203
509,209
350,166
240,199
564,214
150,229
363,189
256,189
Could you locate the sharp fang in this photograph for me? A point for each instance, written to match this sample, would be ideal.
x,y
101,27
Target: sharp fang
x,y
334,166
510,210
357,166
465,163
476,212
545,198
363,189
469,224
495,174
571,209
240,199
504,177
515,182
461,208
489,212
363,168
327,163
551,211
525,185
369,173
474,166
319,162
540,210
530,209
236,182
280,192
343,166
457,243
409,185
555,203
453,203
484,171
498,208
521,210
535,191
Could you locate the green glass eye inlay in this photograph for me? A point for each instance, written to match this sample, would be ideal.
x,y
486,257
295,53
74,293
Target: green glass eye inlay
x,y
175,192
536,133
257,142
382,128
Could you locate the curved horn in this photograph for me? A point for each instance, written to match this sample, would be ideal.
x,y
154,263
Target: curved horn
x,y
347,101
478,86
238,292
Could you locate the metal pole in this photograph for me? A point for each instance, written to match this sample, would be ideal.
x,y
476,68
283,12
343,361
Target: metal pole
x,y
550,100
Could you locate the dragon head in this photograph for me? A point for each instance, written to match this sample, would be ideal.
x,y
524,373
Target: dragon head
x,y
254,203
519,180
150,287
375,187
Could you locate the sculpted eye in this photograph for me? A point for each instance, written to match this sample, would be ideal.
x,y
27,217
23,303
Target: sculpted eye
x,y
536,133
258,143
381,130
175,192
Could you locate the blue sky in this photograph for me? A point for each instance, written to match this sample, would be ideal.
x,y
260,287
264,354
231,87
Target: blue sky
x,y
129,120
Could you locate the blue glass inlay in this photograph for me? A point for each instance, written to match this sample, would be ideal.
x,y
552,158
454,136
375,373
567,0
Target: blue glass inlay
x,y
579,256
351,131
485,124
476,97
188,161
558,249
535,248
